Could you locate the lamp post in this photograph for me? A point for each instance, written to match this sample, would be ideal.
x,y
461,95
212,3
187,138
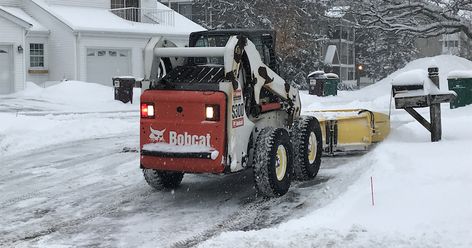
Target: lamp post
x,y
360,69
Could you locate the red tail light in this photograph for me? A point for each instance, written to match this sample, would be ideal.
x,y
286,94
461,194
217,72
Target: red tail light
x,y
147,110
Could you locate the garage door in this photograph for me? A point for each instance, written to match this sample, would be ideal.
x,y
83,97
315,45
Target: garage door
x,y
104,64
6,79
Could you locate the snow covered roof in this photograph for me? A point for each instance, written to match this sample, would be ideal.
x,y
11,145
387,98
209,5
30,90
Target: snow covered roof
x,y
330,53
20,14
89,19
337,11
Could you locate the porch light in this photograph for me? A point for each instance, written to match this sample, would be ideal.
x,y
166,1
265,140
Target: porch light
x,y
20,49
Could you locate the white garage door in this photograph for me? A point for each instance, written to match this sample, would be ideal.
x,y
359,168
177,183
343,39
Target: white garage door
x,y
104,64
6,79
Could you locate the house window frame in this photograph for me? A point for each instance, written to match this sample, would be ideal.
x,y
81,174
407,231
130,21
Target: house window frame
x,y
120,4
41,49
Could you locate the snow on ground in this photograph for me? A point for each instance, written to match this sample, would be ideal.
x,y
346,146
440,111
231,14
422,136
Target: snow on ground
x,y
69,111
66,181
422,189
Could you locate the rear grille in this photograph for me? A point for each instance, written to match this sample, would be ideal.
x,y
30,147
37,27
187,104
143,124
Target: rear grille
x,y
194,75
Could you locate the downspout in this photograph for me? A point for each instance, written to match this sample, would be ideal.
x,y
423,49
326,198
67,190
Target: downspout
x,y
25,71
77,56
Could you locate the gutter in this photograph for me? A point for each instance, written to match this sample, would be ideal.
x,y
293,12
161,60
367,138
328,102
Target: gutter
x,y
119,34
15,19
54,16
77,57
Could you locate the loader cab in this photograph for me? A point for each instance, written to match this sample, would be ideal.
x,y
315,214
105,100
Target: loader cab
x,y
264,40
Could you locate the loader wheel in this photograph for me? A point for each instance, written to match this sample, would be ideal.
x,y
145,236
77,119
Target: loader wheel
x,y
273,160
308,146
162,179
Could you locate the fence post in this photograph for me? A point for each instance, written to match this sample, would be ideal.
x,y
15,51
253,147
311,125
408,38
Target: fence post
x,y
435,109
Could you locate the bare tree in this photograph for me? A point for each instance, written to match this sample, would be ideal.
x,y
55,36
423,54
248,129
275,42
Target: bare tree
x,y
424,18
295,21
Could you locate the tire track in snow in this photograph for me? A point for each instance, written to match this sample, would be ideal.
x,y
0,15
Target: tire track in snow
x,y
259,213
255,214
46,228
107,210
12,160
53,192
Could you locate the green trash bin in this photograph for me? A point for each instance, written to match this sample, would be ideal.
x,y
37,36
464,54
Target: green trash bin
x,y
461,83
331,85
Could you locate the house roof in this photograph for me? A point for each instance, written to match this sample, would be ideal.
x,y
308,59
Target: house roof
x,y
20,18
89,19
337,11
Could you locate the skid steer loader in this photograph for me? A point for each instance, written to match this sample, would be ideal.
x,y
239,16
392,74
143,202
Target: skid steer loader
x,y
219,106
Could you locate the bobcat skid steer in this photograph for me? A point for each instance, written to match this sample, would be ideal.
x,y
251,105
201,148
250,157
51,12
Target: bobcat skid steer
x,y
218,106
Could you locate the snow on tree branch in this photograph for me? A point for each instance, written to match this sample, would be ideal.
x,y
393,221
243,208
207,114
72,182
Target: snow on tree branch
x,y
424,18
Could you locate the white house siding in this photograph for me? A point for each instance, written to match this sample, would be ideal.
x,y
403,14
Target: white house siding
x,y
61,47
36,77
135,45
83,3
13,36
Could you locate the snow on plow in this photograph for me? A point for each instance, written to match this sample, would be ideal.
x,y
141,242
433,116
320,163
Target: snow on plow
x,y
351,130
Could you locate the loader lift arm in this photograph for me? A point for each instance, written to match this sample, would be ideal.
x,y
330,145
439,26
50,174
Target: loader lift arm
x,y
239,54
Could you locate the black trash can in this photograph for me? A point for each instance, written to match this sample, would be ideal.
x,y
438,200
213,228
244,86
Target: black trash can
x,y
316,82
124,88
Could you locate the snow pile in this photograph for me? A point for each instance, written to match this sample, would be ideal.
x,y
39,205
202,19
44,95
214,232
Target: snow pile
x,y
69,111
377,96
421,189
71,96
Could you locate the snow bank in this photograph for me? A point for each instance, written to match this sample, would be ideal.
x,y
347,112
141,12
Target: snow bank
x,y
23,133
37,117
377,96
71,96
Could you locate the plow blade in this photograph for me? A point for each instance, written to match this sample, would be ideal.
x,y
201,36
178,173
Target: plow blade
x,y
351,130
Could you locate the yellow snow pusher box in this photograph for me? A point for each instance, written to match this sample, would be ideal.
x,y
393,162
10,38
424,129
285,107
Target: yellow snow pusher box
x,y
351,130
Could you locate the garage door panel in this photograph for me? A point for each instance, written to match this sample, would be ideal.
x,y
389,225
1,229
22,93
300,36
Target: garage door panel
x,y
6,79
104,64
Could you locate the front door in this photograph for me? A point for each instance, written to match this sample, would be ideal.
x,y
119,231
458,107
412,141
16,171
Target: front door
x,y
6,79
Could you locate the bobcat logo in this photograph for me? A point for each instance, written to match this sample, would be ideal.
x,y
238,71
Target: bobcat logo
x,y
156,135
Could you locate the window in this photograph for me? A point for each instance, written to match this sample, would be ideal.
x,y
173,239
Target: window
x,y
184,8
101,53
36,55
118,4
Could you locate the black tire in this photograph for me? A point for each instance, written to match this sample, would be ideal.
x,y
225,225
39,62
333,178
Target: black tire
x,y
307,158
163,179
269,164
